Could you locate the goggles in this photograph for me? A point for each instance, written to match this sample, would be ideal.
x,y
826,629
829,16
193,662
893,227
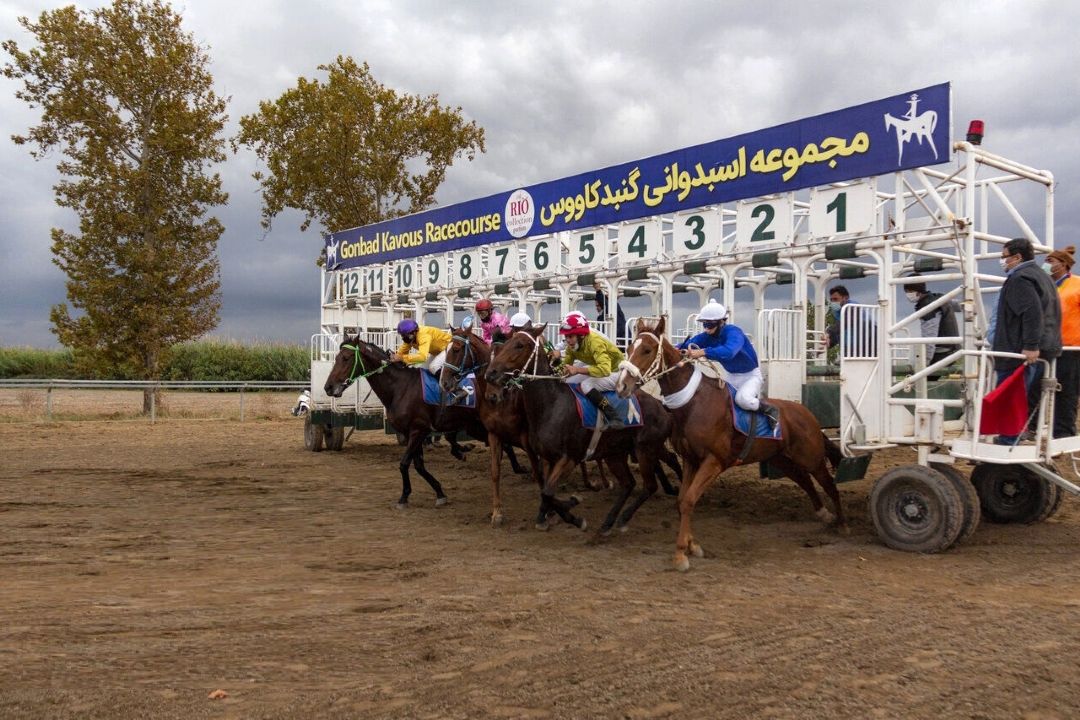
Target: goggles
x,y
710,324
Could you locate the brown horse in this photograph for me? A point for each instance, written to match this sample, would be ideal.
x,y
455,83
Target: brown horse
x,y
401,393
705,435
556,435
505,421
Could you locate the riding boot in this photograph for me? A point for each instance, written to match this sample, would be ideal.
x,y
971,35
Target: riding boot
x,y
770,411
611,417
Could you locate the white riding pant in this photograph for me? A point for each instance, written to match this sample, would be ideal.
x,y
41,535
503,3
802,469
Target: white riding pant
x,y
434,363
590,383
747,388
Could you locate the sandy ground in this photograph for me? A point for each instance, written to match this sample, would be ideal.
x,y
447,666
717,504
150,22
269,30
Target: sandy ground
x,y
143,567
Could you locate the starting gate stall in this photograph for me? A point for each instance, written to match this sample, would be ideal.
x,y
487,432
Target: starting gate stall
x,y
877,195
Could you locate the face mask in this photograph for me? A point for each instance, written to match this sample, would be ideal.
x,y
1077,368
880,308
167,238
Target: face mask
x,y
835,308
913,297
1004,262
1047,269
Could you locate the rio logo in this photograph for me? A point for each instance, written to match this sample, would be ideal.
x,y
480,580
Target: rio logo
x,y
519,213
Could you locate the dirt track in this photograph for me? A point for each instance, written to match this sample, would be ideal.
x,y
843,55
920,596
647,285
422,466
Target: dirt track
x,y
143,567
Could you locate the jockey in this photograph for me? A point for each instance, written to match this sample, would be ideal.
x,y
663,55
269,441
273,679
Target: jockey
x,y
729,346
491,320
422,346
597,368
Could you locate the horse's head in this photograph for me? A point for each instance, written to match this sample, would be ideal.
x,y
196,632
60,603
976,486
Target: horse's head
x,y
355,359
644,355
516,354
465,354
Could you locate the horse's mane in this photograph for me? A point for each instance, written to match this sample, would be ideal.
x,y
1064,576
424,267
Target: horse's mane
x,y
498,336
383,355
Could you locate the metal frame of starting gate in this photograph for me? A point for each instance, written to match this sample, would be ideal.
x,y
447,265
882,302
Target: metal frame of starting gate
x,y
942,222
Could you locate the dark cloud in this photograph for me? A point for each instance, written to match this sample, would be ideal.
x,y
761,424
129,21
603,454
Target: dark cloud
x,y
561,88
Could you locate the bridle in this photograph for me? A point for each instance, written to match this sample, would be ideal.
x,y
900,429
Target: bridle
x,y
657,368
464,369
359,362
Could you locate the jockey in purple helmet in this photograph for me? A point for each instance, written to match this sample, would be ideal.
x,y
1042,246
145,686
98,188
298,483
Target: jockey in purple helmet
x,y
422,346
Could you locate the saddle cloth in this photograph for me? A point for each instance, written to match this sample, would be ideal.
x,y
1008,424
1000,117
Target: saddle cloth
x,y
762,426
628,409
433,394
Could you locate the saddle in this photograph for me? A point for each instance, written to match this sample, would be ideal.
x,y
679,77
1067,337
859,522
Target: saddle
x,y
433,394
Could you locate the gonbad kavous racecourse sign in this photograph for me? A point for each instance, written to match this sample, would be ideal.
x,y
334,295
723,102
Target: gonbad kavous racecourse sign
x,y
909,130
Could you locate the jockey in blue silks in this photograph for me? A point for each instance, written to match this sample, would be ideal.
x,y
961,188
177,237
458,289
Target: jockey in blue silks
x,y
729,346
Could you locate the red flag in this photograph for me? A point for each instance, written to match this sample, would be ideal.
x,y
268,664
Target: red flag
x,y
1005,409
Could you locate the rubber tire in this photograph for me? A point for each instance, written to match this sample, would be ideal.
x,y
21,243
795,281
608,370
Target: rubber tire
x,y
968,496
334,438
1011,494
313,435
919,488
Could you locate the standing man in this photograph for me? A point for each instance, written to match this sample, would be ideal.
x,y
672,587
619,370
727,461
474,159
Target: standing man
x,y
861,324
940,323
729,346
1028,321
1059,264
602,308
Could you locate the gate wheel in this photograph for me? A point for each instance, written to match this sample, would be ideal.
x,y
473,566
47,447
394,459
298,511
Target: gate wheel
x,y
1012,494
916,509
968,497
334,437
313,435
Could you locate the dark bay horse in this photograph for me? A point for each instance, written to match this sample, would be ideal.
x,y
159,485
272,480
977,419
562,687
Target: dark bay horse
x,y
556,434
505,421
399,389
705,435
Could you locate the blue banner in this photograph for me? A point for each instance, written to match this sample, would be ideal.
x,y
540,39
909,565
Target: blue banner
x,y
900,132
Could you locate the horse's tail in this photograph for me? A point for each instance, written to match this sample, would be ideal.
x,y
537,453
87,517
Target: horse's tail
x,y
832,451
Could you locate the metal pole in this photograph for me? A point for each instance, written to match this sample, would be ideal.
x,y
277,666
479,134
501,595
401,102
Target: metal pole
x,y
241,403
48,404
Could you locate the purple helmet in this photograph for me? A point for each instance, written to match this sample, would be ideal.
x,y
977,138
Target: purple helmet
x,y
407,327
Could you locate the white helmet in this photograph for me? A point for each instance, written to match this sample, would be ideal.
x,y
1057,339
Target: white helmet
x,y
520,320
712,311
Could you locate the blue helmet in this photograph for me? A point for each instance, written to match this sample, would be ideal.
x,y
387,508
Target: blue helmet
x,y
407,327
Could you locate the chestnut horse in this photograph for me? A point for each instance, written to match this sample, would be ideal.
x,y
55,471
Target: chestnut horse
x,y
401,393
505,421
705,435
556,434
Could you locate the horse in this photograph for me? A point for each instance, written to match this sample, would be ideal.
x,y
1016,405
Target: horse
x,y
400,390
705,435
556,435
505,421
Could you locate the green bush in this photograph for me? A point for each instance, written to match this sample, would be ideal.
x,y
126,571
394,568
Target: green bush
x,y
206,360
25,362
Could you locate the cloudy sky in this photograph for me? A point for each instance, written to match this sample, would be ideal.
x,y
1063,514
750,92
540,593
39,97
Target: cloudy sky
x,y
562,88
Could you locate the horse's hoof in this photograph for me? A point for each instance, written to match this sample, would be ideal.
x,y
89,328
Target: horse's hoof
x,y
583,525
682,563
603,531
825,516
439,502
496,520
623,528
401,506
575,500
543,527
696,550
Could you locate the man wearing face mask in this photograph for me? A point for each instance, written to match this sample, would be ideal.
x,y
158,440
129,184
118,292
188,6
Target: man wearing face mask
x,y
867,337
1028,320
1059,265
940,323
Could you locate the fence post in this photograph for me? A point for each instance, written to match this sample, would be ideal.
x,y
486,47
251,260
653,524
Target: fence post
x,y
48,404
242,403
153,404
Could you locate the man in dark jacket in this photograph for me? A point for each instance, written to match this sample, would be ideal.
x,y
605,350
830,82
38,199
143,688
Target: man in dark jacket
x,y
940,323
1028,319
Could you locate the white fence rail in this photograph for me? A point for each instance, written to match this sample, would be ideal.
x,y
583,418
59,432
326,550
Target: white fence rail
x,y
240,387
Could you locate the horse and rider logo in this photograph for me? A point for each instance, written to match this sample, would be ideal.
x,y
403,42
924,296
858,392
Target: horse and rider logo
x,y
331,254
912,125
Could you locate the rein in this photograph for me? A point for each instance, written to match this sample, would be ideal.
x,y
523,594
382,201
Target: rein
x,y
658,368
462,370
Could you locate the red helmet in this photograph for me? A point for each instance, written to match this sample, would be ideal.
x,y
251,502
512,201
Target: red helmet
x,y
483,304
574,324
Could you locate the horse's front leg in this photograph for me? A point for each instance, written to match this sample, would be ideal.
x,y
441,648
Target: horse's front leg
x,y
418,463
495,448
689,493
514,464
414,447
548,501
